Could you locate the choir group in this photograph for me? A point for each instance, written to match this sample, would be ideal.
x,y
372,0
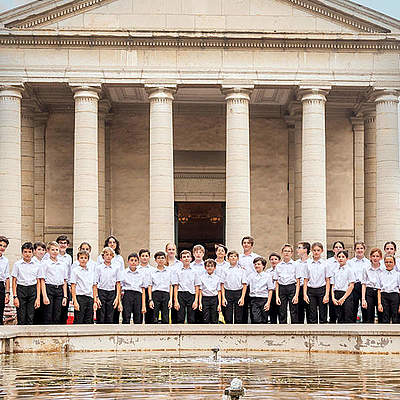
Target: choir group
x,y
232,288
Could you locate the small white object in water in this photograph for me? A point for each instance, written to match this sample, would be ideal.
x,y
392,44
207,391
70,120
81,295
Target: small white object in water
x,y
235,391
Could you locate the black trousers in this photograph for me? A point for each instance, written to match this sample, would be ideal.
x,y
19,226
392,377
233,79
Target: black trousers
x,y
356,300
345,312
186,300
52,311
2,301
259,315
286,294
85,313
210,309
332,311
390,303
38,317
174,316
64,309
161,300
26,310
371,297
104,314
302,308
246,309
132,306
233,312
273,310
149,316
316,296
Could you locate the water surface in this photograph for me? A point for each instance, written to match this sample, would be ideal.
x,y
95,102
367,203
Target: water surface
x,y
159,376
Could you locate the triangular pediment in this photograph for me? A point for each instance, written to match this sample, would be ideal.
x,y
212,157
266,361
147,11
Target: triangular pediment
x,y
274,16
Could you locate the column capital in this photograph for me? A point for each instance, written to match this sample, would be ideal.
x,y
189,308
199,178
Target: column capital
x,y
85,91
309,93
104,107
357,121
295,110
40,118
161,92
237,92
385,95
12,90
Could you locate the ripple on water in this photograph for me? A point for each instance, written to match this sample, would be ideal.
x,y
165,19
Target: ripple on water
x,y
160,376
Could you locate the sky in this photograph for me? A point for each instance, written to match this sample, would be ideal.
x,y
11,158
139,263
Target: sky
x,y
389,7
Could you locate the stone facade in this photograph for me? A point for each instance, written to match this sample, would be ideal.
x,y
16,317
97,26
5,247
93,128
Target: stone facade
x,y
285,110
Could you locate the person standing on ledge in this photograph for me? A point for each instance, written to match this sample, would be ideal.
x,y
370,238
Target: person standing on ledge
x,y
26,285
4,277
186,289
246,261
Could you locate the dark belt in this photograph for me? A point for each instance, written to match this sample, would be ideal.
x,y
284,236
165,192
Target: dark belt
x,y
54,286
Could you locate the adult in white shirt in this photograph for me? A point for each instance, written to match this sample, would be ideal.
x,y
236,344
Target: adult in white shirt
x,y
246,261
358,264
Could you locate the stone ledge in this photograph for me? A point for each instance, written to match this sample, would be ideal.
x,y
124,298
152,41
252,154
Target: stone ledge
x,y
383,339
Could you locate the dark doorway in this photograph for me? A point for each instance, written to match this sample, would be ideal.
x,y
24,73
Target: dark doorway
x,y
199,223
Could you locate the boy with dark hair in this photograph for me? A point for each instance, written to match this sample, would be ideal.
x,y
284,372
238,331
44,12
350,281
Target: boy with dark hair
x,y
261,288
303,251
26,285
4,277
160,289
82,289
210,293
246,261
186,289
233,289
146,269
39,251
64,242
133,285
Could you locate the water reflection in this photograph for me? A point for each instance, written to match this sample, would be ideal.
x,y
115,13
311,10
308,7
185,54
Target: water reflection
x,y
163,376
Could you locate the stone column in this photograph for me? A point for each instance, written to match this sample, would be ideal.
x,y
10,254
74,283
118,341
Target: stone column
x,y
27,178
369,178
358,168
295,110
291,177
10,169
313,165
40,121
161,168
387,167
86,186
104,107
237,167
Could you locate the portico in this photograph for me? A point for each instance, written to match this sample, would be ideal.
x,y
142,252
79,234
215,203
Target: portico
x,y
124,127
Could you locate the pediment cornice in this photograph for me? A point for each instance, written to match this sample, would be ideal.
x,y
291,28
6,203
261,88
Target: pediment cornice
x,y
41,13
192,40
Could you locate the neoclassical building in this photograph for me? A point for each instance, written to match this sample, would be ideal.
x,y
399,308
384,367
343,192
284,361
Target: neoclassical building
x,y
199,121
